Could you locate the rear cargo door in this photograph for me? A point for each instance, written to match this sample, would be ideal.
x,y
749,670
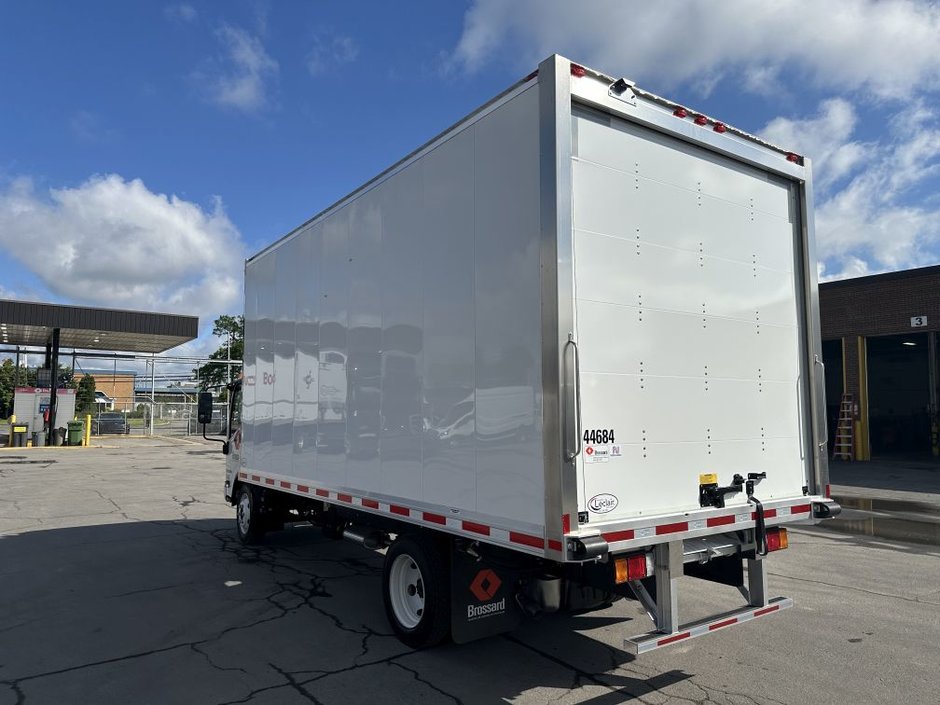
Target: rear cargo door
x,y
687,311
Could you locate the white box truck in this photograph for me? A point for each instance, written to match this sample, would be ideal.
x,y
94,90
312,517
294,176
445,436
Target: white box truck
x,y
567,351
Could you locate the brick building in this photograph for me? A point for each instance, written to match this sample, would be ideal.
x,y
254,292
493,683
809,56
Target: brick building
x,y
117,384
880,346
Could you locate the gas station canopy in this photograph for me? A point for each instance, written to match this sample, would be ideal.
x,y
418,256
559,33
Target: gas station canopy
x,y
32,324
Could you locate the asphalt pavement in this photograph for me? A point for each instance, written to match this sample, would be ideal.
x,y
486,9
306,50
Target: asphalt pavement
x,y
122,581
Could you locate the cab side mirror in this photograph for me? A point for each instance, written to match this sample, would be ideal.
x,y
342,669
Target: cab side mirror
x,y
204,412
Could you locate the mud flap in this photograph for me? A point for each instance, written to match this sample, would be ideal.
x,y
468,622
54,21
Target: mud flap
x,y
483,598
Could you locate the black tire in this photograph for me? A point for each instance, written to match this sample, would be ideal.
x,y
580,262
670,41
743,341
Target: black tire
x,y
430,560
249,521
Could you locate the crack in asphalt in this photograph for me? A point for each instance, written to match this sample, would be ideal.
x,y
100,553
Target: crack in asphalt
x,y
854,588
426,682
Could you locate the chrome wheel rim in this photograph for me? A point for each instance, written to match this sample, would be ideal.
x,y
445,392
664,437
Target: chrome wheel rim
x,y
406,590
244,513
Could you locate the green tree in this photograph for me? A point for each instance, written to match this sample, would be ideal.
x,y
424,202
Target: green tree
x,y
85,396
231,329
7,381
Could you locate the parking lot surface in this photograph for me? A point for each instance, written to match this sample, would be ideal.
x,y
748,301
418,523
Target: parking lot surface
x,y
122,581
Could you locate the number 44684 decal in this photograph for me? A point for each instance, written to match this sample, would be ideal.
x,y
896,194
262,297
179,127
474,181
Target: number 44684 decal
x,y
599,435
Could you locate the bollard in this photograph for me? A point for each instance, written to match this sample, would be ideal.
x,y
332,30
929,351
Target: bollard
x,y
87,430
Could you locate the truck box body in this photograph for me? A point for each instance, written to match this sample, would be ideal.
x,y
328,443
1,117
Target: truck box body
x,y
559,320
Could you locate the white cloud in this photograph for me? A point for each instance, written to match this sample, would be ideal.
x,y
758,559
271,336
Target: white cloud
x,y
242,77
112,242
331,51
181,12
824,138
888,47
866,217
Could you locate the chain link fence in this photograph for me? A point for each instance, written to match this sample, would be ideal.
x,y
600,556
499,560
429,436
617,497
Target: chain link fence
x,y
174,416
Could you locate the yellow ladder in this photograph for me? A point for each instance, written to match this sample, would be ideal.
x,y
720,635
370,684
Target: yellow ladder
x,y
845,431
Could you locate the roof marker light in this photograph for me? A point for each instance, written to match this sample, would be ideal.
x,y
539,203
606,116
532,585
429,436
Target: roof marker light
x,y
701,120
578,71
791,157
680,112
720,127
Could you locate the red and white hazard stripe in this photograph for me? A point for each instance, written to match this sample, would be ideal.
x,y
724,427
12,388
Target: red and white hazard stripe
x,y
656,640
518,540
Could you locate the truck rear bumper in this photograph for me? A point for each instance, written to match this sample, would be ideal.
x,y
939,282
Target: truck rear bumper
x,y
656,639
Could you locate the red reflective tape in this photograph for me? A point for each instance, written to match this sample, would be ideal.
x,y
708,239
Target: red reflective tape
x,y
269,480
322,493
768,514
476,528
614,536
344,497
554,545
401,511
256,478
370,503
672,528
801,509
243,475
303,488
526,540
721,521
435,518
719,625
286,485
674,638
766,610
565,523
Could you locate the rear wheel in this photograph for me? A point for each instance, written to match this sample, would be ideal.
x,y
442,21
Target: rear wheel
x,y
248,519
416,591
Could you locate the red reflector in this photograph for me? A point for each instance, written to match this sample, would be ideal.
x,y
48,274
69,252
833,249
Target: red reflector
x,y
791,157
720,127
828,492
777,539
636,566
680,112
701,120
577,70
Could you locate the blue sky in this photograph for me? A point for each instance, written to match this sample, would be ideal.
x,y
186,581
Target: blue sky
x,y
146,148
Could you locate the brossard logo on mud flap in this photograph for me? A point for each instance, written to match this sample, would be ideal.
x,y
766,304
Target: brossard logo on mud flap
x,y
484,587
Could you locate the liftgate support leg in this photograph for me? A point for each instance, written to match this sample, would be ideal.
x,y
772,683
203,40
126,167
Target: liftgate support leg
x,y
757,582
668,560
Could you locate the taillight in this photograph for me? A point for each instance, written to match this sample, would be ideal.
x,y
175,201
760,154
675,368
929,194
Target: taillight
x,y
633,567
777,539
578,71
828,492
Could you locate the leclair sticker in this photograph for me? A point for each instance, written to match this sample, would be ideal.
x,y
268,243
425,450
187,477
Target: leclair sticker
x,y
597,454
603,503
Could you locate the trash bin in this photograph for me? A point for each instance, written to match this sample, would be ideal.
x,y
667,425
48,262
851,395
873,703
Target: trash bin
x,y
19,436
39,439
76,432
58,436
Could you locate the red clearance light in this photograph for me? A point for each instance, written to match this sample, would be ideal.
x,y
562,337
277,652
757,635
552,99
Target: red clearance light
x,y
791,157
828,492
720,127
701,120
777,539
633,567
578,71
680,112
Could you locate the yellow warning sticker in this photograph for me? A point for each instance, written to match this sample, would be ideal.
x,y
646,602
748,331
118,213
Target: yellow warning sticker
x,y
708,479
